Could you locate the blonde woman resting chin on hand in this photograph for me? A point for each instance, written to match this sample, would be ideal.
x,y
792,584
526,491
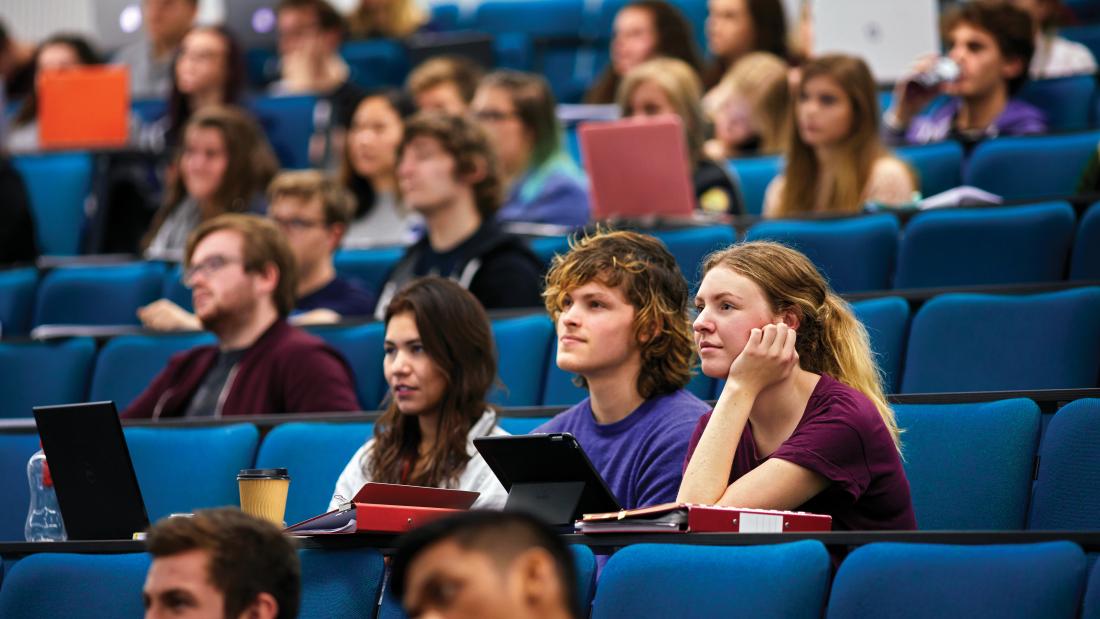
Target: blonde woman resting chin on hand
x,y
802,422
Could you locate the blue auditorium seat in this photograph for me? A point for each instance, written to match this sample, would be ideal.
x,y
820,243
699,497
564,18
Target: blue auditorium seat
x,y
97,295
376,63
985,246
938,165
1031,167
887,322
314,454
174,290
58,184
44,373
128,363
75,586
753,175
522,27
1090,609
855,254
446,16
546,247
340,584
666,580
17,288
149,110
979,342
288,123
970,465
559,389
903,581
690,245
1068,102
180,470
369,267
15,450
1069,470
521,425
523,346
361,345
1086,34
1085,264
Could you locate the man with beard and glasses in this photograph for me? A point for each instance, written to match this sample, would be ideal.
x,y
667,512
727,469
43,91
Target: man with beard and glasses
x,y
242,277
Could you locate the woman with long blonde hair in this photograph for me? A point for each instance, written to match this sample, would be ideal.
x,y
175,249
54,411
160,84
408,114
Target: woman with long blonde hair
x,y
802,422
835,158
750,108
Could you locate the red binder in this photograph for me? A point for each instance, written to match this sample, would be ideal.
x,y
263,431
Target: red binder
x,y
386,508
687,518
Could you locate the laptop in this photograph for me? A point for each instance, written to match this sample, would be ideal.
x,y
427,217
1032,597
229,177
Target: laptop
x,y
548,475
473,46
93,475
637,168
84,107
889,36
117,23
252,22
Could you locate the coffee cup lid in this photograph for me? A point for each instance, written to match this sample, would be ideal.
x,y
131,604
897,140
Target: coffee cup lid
x,y
263,474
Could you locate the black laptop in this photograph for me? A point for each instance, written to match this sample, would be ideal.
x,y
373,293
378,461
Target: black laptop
x,y
93,475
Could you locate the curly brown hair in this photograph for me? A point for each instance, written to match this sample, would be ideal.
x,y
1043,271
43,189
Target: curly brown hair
x,y
643,269
466,142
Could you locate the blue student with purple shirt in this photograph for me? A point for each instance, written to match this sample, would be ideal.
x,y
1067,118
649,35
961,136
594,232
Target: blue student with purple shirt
x,y
619,303
802,422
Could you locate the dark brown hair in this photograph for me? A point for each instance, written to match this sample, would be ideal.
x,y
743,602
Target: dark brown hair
x,y
674,39
769,27
84,51
360,186
643,269
328,18
1009,26
456,335
466,142
179,105
262,244
246,556
251,165
534,103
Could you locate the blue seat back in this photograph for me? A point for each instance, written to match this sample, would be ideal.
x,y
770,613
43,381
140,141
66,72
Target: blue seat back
x,y
986,246
546,247
560,390
887,322
969,465
1085,264
938,165
1068,102
314,454
174,290
17,288
1090,609
376,63
667,580
523,346
361,345
288,123
1031,168
75,586
57,184
1086,34
899,581
753,175
975,342
369,267
521,425
340,584
40,374
854,254
98,295
149,110
1069,470
584,561
180,470
690,245
15,451
128,363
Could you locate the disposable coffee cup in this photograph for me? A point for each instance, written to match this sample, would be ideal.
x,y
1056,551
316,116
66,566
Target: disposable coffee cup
x,y
263,493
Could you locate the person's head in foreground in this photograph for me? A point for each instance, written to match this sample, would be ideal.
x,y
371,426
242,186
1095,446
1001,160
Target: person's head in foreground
x,y
221,564
485,565
619,303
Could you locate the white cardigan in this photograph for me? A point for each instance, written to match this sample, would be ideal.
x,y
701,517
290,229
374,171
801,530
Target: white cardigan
x,y
476,476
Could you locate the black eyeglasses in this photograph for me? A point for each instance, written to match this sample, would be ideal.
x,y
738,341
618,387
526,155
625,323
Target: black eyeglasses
x,y
207,267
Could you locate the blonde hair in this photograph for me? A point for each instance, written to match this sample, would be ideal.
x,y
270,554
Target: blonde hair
x,y
398,19
858,151
761,79
831,340
681,85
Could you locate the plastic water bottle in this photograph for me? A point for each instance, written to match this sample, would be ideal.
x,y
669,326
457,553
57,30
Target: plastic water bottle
x,y
44,523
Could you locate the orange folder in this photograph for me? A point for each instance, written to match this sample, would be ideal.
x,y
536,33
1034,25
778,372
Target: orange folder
x,y
84,107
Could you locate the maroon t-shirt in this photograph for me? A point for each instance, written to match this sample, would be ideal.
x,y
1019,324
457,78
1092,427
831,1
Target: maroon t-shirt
x,y
842,437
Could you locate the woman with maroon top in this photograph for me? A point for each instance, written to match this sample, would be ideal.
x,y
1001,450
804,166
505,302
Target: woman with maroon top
x,y
802,422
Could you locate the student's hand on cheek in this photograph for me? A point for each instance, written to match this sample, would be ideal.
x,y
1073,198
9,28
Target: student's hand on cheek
x,y
768,357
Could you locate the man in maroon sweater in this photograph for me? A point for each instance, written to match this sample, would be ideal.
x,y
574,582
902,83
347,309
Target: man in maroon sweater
x,y
242,278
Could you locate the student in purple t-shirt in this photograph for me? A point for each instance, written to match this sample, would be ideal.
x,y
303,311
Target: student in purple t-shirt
x,y
620,306
802,422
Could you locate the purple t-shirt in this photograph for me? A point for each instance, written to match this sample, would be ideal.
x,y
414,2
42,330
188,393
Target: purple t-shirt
x,y
640,456
842,437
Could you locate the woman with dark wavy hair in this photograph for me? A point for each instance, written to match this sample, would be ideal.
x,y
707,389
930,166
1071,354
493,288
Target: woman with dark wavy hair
x,y
439,365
